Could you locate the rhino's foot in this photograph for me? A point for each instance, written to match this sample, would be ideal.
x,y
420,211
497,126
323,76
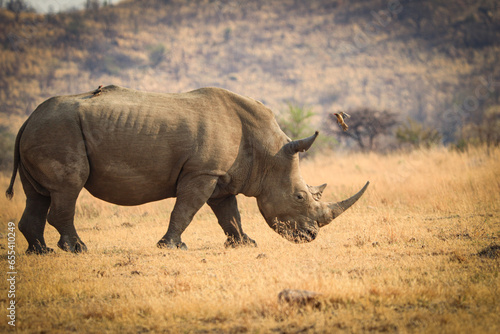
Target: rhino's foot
x,y
71,244
171,245
38,249
244,241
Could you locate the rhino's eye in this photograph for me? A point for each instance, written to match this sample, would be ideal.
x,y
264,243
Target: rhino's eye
x,y
300,197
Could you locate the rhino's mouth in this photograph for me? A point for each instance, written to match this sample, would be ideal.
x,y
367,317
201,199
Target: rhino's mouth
x,y
291,232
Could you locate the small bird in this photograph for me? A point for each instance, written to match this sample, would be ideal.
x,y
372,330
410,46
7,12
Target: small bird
x,y
97,91
340,119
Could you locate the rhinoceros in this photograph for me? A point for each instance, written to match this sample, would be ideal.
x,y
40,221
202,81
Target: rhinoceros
x,y
129,147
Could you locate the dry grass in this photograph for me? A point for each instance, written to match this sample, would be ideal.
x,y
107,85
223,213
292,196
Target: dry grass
x,y
403,259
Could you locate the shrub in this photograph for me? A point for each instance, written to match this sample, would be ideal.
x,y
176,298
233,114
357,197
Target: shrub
x,y
417,135
486,131
156,54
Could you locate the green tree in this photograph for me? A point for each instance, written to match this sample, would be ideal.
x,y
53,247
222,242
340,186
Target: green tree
x,y
296,121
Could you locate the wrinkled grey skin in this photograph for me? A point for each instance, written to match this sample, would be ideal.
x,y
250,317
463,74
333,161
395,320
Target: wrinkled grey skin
x,y
129,147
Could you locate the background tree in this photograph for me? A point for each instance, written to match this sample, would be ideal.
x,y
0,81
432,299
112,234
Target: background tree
x,y
295,121
365,126
18,6
417,135
486,132
92,5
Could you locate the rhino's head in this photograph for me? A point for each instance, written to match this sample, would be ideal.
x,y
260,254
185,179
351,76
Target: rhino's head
x,y
290,206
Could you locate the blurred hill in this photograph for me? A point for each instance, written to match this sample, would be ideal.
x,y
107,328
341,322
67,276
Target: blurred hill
x,y
434,61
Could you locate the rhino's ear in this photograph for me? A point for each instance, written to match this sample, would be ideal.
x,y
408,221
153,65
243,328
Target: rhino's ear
x,y
300,145
316,191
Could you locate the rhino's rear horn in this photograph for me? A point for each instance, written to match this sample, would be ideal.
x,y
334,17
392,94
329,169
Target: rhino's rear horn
x,y
316,191
300,145
339,207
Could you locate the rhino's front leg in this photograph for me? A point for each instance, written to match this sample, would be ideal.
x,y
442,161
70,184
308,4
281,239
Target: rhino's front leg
x,y
192,193
227,213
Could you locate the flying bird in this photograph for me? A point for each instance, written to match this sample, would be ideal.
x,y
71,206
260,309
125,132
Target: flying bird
x,y
340,119
97,91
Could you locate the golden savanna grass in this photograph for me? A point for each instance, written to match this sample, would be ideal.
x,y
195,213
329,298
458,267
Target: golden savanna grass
x,y
403,259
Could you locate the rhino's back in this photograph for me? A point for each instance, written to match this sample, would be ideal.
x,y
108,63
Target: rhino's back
x,y
138,144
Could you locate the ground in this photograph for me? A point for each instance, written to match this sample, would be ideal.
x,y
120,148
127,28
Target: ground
x,y
418,253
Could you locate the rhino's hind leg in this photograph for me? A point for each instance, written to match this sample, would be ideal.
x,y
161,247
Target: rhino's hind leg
x,y
32,223
61,216
228,215
192,193
34,218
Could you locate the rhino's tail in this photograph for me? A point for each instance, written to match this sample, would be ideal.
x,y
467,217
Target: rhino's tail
x,y
10,190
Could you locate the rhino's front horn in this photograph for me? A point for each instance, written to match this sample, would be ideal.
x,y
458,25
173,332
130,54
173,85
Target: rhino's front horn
x,y
300,145
336,209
